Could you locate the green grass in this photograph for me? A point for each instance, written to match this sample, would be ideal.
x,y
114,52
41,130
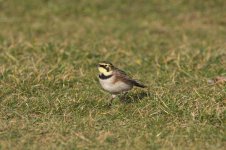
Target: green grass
x,y
50,97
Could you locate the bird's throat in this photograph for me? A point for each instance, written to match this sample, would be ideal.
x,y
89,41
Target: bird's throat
x,y
104,71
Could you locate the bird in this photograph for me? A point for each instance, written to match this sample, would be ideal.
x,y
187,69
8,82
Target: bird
x,y
114,80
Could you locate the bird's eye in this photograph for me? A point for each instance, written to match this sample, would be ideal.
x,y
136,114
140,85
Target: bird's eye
x,y
107,68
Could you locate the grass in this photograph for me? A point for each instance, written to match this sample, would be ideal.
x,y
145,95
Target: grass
x,y
50,97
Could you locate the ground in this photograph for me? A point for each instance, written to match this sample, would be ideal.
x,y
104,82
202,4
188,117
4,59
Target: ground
x,y
50,97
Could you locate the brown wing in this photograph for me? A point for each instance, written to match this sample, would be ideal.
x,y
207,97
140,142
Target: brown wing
x,y
121,75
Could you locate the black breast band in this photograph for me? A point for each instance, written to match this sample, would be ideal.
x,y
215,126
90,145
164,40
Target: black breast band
x,y
102,76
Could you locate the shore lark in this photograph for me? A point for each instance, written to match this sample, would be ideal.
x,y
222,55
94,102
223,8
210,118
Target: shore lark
x,y
114,80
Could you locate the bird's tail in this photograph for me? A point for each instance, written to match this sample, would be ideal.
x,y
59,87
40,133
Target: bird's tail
x,y
138,84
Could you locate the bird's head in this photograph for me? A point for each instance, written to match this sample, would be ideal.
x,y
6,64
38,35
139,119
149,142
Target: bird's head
x,y
105,68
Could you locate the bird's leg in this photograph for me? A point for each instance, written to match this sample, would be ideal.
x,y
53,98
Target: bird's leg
x,y
112,97
125,93
124,96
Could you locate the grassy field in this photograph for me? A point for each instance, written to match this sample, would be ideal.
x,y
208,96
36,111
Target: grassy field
x,y
50,97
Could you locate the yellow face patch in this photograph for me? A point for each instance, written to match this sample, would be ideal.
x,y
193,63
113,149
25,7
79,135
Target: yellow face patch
x,y
104,71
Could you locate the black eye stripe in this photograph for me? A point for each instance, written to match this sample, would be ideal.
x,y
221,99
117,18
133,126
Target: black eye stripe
x,y
107,67
104,66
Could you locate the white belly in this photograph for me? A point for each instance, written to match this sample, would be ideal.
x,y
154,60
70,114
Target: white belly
x,y
116,87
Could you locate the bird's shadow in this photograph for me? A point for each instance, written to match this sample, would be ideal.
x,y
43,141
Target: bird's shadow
x,y
133,97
